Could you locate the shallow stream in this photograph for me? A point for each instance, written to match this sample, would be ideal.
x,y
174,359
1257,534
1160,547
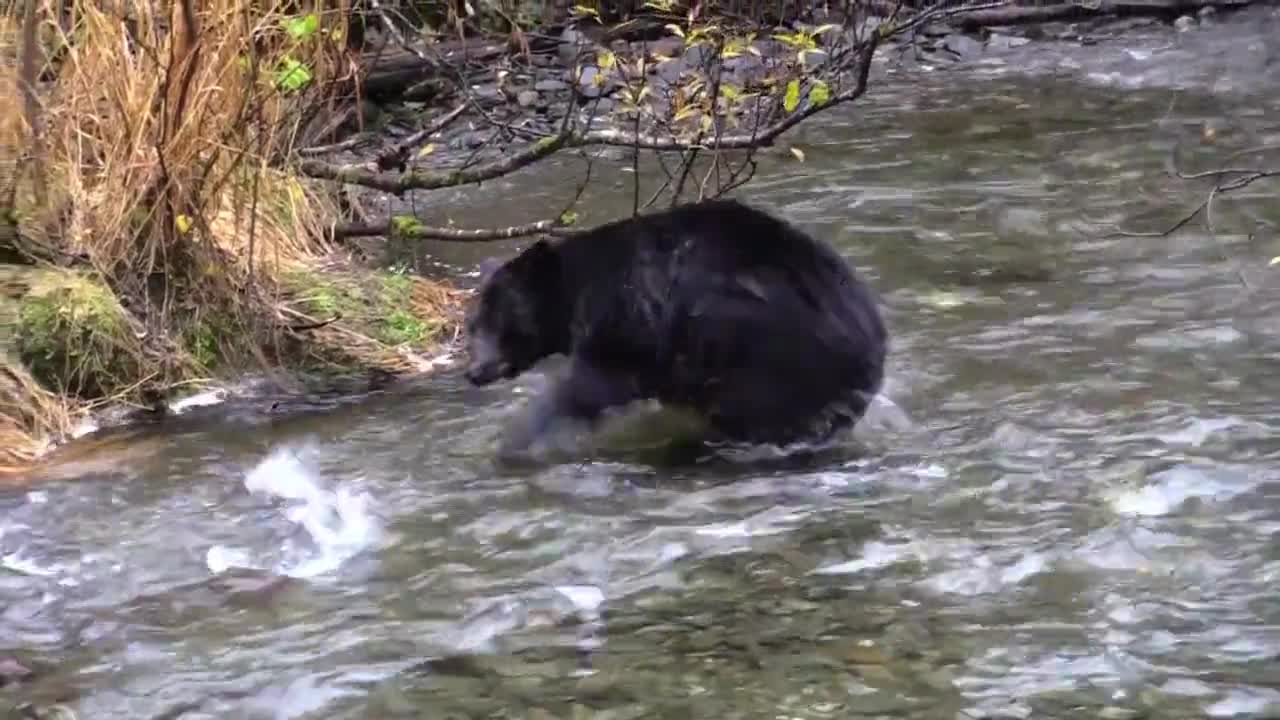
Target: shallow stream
x,y
1081,518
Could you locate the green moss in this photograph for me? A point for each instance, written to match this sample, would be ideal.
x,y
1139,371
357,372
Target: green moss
x,y
404,226
397,287
376,304
74,337
209,336
326,295
402,327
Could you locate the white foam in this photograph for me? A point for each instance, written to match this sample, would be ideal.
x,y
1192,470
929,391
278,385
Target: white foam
x,y
1242,702
875,554
208,398
26,566
220,559
585,598
84,427
336,525
1169,491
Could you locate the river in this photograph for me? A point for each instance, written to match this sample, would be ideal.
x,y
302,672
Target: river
x,y
1067,506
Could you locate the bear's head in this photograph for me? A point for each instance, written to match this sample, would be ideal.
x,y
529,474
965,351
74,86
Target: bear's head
x,y
514,321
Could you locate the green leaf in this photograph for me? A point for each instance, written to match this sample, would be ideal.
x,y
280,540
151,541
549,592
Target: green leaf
x,y
819,94
404,225
568,217
302,27
292,75
792,99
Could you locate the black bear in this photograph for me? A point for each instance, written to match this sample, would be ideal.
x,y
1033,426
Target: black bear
x,y
715,306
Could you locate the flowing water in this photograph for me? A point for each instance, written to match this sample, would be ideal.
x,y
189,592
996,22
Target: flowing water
x,y
1067,505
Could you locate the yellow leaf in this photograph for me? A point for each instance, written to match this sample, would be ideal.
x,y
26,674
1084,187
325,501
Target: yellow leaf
x,y
675,29
819,94
183,223
685,112
791,100
823,28
427,149
296,190
605,59
706,123
798,153
787,38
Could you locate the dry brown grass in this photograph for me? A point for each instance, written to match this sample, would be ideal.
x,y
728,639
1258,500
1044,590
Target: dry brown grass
x,y
161,139
30,417
162,127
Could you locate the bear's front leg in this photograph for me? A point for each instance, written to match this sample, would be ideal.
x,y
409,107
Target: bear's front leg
x,y
579,398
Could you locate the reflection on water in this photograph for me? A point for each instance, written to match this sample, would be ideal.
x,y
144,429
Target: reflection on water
x,y
1068,509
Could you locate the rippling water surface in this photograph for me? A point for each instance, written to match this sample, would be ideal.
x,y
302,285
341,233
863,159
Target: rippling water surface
x,y
1081,518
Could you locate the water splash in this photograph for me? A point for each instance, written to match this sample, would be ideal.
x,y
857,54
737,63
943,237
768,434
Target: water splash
x,y
1168,491
208,398
335,525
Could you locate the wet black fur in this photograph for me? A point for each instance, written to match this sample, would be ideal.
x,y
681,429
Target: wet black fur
x,y
714,306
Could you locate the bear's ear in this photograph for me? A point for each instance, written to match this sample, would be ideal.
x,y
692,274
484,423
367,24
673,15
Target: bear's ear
x,y
541,255
540,249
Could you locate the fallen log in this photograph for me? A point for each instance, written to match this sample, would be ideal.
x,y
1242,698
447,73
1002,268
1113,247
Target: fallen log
x,y
389,72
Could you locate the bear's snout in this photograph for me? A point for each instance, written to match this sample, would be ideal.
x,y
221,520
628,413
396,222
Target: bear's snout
x,y
484,373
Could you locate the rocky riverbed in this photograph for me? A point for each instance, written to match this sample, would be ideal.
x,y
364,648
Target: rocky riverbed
x,y
514,103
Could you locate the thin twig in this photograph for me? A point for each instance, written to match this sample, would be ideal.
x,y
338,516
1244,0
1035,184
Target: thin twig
x,y
396,155
412,231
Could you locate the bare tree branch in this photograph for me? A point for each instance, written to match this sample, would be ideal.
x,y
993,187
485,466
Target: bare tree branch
x,y
843,78
549,145
1236,184
400,183
410,230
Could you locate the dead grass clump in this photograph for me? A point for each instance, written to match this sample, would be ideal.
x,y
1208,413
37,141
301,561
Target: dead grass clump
x,y
150,164
165,134
162,129
30,418
369,318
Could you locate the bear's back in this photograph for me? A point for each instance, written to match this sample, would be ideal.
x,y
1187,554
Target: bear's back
x,y
706,238
674,261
